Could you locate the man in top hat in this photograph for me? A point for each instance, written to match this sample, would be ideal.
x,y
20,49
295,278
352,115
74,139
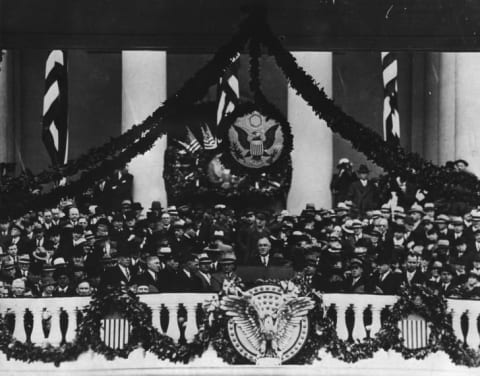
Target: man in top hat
x,y
341,180
363,192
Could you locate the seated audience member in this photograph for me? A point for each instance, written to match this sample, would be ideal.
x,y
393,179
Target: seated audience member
x,y
84,288
471,288
150,277
447,287
62,278
48,287
19,290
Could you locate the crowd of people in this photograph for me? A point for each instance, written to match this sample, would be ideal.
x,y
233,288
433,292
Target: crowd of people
x,y
74,250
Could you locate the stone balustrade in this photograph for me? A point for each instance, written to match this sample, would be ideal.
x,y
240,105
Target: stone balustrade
x,y
356,315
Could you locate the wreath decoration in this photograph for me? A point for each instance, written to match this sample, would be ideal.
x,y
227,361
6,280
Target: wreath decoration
x,y
421,301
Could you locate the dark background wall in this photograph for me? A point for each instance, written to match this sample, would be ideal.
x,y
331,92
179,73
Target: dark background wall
x,y
95,97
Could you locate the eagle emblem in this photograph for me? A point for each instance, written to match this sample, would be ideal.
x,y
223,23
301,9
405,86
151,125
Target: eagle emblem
x,y
256,141
267,322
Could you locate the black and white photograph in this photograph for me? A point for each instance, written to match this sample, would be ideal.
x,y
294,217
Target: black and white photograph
x,y
245,187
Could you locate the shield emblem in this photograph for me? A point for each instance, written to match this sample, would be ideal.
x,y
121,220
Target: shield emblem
x,y
415,332
115,331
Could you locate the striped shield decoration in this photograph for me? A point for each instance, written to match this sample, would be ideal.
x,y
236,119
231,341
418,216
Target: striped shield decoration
x,y
256,148
115,332
415,332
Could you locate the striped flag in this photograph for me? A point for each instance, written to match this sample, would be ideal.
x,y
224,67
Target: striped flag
x,y
228,91
210,142
391,119
191,144
55,109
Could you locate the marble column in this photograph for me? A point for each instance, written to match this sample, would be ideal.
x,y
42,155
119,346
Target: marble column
x,y
447,108
467,110
312,156
144,88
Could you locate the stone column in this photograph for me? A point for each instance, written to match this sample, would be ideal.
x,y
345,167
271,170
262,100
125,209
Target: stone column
x,y
446,109
312,156
144,88
467,110
7,143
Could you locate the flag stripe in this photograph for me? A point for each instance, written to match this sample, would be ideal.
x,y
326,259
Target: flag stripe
x,y
229,91
55,116
391,118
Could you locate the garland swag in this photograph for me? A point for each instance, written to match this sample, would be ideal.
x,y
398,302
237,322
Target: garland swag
x,y
439,181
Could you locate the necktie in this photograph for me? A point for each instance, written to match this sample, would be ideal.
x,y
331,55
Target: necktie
x,y
127,273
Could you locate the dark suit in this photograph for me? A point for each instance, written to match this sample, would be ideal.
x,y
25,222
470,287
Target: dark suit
x,y
364,197
361,285
114,276
257,261
417,279
70,291
447,290
390,285
206,285
187,283
168,280
147,279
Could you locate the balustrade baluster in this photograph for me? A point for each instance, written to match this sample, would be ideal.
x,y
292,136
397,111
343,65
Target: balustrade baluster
x,y
19,331
156,309
342,330
457,323
55,336
191,325
38,335
72,323
376,320
358,326
173,331
473,338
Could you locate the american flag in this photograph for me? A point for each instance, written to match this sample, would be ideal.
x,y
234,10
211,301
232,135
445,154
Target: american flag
x,y
391,119
210,142
191,144
55,108
228,91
